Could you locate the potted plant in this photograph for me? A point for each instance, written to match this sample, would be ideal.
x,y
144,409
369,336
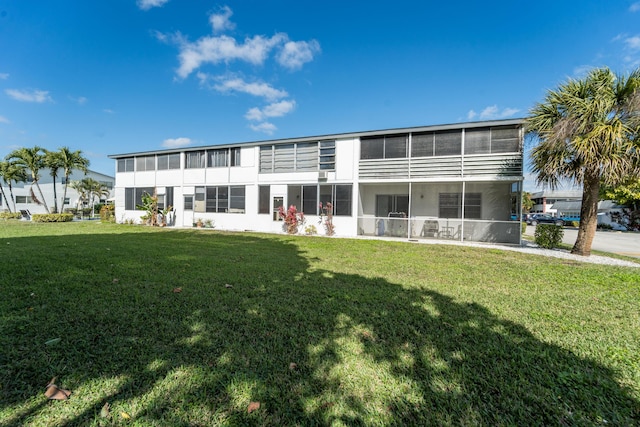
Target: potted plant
x,y
199,223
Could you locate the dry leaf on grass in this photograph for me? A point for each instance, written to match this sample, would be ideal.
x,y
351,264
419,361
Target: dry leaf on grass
x,y
125,415
53,392
177,290
253,406
226,285
104,412
293,366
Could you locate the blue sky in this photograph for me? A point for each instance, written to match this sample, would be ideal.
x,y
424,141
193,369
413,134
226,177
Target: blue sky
x,y
120,76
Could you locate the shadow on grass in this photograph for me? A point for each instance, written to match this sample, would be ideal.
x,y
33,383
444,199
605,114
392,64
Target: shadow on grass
x,y
256,321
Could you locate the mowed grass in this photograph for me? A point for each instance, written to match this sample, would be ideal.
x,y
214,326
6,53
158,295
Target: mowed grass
x,y
319,331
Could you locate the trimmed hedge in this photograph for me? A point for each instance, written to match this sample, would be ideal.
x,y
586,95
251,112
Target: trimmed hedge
x,y
10,215
63,217
548,236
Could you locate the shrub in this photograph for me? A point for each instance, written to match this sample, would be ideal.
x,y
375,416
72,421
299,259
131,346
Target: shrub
x,y
10,215
292,218
603,226
326,212
108,213
523,227
63,217
310,230
548,236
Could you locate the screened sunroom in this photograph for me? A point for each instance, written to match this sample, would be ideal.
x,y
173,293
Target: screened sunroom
x,y
459,184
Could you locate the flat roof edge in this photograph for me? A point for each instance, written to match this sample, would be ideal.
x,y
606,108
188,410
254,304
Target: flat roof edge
x,y
461,125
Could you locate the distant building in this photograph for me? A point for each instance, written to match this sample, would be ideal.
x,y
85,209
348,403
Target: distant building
x,y
25,201
557,203
456,181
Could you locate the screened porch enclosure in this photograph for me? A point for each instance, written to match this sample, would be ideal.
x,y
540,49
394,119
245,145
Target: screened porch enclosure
x,y
463,211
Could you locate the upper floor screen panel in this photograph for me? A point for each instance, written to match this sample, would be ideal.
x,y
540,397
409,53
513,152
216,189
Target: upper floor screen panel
x,y
486,140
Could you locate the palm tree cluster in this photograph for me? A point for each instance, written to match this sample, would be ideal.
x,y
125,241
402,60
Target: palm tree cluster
x,y
89,190
23,163
589,133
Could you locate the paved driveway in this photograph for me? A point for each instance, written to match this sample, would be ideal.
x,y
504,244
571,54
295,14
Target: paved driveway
x,y
617,242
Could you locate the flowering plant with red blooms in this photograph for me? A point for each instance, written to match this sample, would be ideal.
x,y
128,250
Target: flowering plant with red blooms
x,y
326,212
292,218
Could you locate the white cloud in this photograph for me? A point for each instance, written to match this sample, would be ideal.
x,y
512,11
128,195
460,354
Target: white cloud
x,y
277,109
108,111
225,49
492,112
4,76
295,54
632,43
220,21
236,84
264,127
3,119
148,4
176,142
38,96
81,100
635,7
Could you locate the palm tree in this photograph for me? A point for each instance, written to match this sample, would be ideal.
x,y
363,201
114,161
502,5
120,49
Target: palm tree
x,y
589,133
32,159
71,160
53,161
10,172
81,189
95,189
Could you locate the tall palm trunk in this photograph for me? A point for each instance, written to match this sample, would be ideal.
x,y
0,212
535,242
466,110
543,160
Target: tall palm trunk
x,y
4,195
55,195
13,199
64,195
588,215
44,202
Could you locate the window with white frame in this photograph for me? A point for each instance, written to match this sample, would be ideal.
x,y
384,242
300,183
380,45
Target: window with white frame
x,y
168,161
327,155
234,153
217,158
145,163
126,165
298,157
195,159
384,147
450,205
220,199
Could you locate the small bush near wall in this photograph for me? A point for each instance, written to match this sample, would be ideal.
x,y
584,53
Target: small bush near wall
x,y
108,213
548,236
10,215
63,217
523,227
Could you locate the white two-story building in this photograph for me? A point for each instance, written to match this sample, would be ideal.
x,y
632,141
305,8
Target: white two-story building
x,y
455,181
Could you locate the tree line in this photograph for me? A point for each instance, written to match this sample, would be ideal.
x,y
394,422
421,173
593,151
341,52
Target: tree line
x,y
24,163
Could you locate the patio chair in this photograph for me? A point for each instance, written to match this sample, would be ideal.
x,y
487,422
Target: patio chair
x,y
26,215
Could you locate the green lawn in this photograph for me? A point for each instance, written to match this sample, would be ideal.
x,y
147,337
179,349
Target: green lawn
x,y
319,331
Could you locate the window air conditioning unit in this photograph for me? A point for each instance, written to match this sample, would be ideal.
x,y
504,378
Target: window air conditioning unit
x,y
322,175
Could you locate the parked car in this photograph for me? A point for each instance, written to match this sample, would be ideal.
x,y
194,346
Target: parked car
x,y
568,220
544,219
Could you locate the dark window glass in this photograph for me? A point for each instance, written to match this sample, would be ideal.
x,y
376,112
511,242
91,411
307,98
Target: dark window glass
x,y
129,199
223,199
126,165
235,156
448,143
188,203
310,199
236,200
422,144
395,147
473,205
449,205
263,199
505,140
477,141
372,148
342,204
